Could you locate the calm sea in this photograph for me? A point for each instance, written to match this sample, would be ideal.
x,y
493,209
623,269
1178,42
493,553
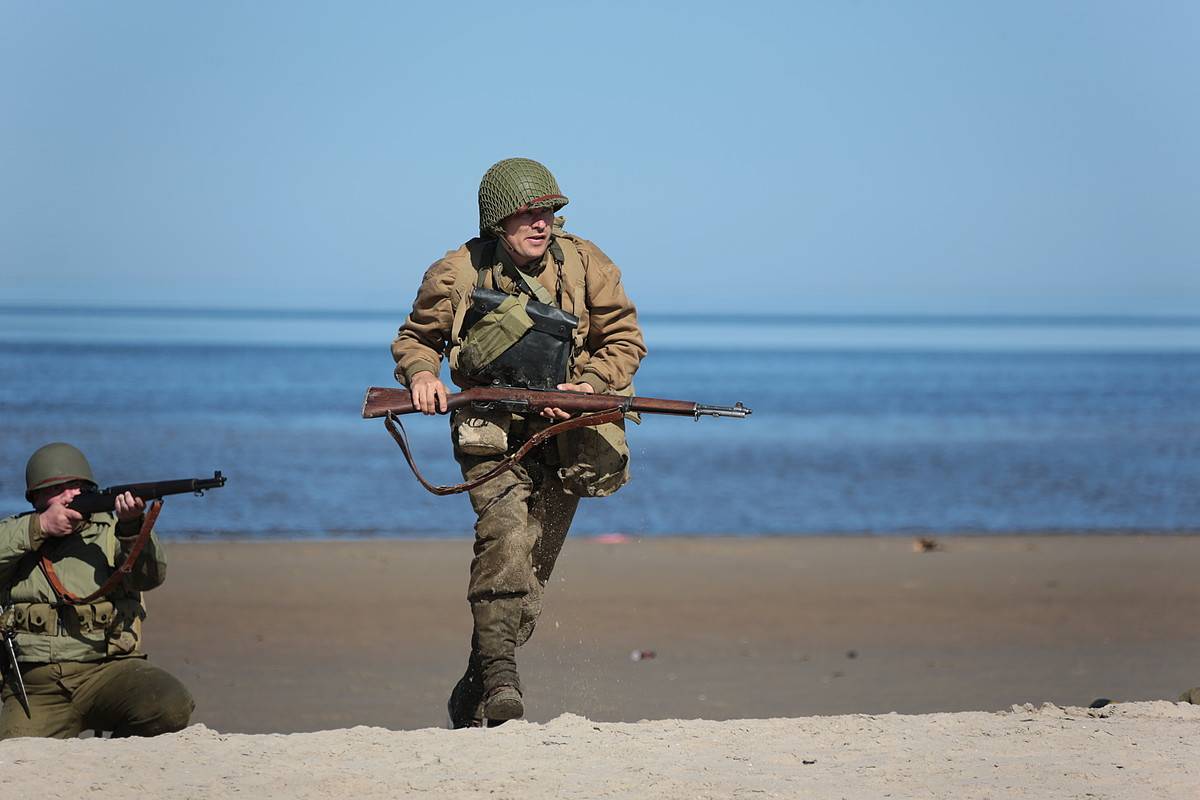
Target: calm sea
x,y
890,425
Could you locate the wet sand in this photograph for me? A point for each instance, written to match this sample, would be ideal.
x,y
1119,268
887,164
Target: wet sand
x,y
287,637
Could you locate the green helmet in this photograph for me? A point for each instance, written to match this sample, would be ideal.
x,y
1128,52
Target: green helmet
x,y
513,185
53,464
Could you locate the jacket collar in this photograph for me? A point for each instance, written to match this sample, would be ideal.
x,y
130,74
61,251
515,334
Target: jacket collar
x,y
532,269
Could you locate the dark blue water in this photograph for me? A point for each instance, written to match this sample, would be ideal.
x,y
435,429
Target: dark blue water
x,y
864,441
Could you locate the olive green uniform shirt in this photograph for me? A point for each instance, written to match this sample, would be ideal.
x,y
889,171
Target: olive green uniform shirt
x,y
83,561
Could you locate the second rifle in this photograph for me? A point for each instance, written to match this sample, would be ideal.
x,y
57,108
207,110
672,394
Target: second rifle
x,y
381,401
593,409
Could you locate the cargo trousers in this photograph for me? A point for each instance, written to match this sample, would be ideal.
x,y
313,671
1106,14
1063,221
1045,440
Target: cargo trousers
x,y
522,519
128,696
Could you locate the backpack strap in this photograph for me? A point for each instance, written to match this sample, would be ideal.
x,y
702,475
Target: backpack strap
x,y
572,280
480,254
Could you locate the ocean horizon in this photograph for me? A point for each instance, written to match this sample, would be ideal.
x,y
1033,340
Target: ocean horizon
x,y
33,323
862,424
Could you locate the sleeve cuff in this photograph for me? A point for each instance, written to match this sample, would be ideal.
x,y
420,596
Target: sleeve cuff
x,y
127,531
416,369
37,536
595,381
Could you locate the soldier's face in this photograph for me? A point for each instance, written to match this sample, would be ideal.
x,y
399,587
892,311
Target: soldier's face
x,y
527,234
62,494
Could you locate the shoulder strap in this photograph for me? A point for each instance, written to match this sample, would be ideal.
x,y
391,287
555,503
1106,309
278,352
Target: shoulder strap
x,y
479,254
489,263
486,262
573,274
68,598
532,288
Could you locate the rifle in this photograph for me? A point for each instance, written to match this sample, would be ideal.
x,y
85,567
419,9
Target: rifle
x,y
89,502
8,664
596,409
382,402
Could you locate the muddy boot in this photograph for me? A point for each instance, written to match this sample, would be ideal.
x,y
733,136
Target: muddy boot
x,y
502,704
465,705
496,623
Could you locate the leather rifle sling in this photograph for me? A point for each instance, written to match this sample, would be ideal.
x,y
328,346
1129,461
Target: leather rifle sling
x,y
66,597
392,422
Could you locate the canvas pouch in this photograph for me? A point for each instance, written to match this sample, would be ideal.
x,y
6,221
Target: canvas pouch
x,y
494,332
481,432
596,458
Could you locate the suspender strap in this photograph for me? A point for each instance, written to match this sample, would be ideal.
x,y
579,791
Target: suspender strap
x,y
532,288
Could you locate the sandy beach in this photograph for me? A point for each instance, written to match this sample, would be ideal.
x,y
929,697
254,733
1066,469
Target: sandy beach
x,y
765,645
1135,750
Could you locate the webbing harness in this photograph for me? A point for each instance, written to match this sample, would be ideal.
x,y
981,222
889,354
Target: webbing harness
x,y
532,288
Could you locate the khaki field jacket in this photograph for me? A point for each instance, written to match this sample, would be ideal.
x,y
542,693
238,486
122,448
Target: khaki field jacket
x,y
608,342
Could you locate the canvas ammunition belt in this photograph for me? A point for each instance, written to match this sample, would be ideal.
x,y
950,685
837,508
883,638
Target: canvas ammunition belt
x,y
44,619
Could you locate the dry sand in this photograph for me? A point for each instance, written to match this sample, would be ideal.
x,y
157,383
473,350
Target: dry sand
x,y
282,638
1139,750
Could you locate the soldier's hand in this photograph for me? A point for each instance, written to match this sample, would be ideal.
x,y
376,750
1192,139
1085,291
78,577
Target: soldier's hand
x,y
558,413
58,520
428,393
129,507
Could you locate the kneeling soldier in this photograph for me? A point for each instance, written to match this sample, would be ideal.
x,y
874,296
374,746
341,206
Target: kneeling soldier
x,y
80,662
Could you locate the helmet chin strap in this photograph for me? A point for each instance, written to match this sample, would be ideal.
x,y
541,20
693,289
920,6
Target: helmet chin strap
x,y
513,256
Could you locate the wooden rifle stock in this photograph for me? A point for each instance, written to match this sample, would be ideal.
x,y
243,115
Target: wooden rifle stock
x,y
381,401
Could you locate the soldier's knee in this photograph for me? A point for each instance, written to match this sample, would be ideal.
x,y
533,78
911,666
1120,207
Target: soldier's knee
x,y
166,719
531,609
167,709
525,631
176,712
176,708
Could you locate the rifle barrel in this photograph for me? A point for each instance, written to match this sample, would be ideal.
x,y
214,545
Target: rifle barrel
x,y
737,411
106,499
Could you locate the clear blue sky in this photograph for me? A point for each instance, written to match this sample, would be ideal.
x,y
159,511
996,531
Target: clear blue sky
x,y
821,157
